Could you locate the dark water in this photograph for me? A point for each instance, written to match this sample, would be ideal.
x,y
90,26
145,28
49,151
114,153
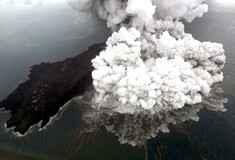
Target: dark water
x,y
32,35
212,138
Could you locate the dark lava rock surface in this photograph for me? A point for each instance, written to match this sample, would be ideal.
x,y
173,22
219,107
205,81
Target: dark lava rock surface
x,y
49,87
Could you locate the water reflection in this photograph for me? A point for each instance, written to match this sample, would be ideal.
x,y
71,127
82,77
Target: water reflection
x,y
135,129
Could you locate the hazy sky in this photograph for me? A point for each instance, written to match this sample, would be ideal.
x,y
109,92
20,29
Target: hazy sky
x,y
33,2
225,2
220,4
36,2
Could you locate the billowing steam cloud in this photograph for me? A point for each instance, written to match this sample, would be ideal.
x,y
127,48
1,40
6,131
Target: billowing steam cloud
x,y
150,63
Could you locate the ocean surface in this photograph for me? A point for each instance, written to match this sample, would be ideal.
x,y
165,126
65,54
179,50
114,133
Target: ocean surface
x,y
31,35
64,33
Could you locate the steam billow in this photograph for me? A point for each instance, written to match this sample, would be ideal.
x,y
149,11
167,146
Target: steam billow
x,y
150,63
151,73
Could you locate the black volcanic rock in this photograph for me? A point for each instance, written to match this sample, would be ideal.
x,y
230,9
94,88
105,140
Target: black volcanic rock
x,y
49,87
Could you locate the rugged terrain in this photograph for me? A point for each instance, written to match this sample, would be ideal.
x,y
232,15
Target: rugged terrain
x,y
49,87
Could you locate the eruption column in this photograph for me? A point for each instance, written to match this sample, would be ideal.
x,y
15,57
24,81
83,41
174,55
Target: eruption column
x,y
150,63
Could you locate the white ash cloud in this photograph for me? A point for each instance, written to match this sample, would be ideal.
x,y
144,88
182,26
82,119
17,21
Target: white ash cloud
x,y
178,74
150,63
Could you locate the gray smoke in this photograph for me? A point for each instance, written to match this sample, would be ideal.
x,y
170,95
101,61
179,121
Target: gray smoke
x,y
141,12
135,129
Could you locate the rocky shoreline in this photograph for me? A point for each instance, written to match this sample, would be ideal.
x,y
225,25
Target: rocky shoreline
x,y
49,87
